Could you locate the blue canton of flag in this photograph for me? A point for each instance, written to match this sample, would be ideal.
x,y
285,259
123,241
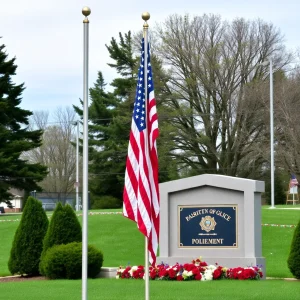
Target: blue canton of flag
x,y
139,104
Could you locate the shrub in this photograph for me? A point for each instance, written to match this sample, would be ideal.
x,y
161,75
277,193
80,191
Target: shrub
x,y
106,202
64,228
28,240
65,261
294,257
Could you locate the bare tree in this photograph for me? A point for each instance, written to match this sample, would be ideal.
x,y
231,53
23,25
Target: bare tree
x,y
213,67
287,134
57,151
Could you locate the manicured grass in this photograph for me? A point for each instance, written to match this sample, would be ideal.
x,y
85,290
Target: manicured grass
x,y
123,244
281,215
7,231
112,289
118,238
276,248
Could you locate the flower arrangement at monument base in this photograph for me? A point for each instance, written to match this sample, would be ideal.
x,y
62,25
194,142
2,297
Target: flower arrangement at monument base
x,y
196,270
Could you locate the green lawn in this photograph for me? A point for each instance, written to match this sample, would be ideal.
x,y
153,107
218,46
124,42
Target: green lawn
x,y
112,289
281,215
122,243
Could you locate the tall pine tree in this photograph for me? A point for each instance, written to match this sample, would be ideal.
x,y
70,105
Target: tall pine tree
x,y
110,120
110,116
15,138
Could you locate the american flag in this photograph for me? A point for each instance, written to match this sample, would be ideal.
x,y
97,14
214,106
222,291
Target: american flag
x,y
293,181
141,194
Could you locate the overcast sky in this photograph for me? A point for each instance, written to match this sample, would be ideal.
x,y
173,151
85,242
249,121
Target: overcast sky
x,y
46,37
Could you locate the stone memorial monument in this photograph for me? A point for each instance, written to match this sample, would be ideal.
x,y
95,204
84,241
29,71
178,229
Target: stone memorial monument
x,y
213,216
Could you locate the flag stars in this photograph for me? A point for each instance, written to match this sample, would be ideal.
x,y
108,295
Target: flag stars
x,y
144,82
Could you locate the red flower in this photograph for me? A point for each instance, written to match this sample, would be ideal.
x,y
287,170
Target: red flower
x,y
153,273
172,273
195,271
217,273
188,267
197,261
249,273
162,273
179,278
197,268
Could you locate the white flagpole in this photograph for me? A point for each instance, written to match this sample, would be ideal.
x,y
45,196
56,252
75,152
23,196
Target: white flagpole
x,y
86,12
77,167
272,134
146,17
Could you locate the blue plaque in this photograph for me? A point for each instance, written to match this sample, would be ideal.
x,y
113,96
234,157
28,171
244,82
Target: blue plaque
x,y
213,226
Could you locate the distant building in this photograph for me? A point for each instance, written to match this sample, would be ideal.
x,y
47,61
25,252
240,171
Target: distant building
x,y
16,201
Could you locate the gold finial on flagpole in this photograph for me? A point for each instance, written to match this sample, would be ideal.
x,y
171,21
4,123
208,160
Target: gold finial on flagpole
x,y
145,17
86,11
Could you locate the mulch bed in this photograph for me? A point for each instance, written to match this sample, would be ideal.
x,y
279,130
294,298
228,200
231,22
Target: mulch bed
x,y
21,278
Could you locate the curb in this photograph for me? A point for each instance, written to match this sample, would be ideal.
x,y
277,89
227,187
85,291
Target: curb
x,y
279,278
110,272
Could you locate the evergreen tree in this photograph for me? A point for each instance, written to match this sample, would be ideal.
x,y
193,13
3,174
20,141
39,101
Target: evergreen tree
x,y
64,228
28,241
294,257
104,141
110,116
15,138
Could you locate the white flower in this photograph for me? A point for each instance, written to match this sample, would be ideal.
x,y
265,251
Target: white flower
x,y
134,268
211,267
185,274
208,275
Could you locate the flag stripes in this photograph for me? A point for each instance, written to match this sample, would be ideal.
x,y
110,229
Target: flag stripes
x,y
141,193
